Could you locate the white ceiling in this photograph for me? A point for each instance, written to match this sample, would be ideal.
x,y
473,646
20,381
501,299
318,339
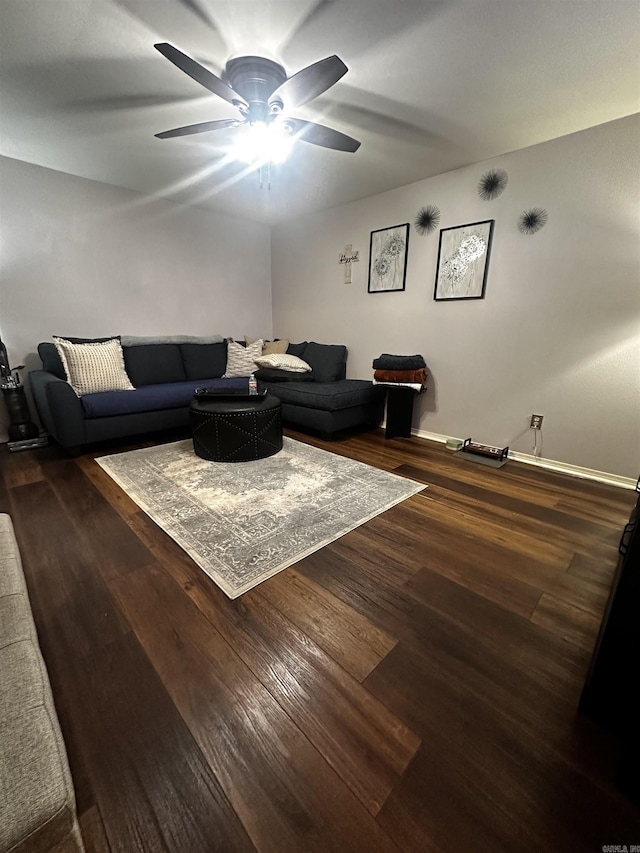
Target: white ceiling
x,y
432,85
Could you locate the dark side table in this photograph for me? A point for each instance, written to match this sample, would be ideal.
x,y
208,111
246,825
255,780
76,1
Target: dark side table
x,y
399,412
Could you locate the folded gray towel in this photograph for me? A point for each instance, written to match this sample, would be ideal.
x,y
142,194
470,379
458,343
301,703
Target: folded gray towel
x,y
398,362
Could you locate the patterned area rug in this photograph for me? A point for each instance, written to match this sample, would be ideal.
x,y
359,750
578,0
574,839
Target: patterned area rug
x,y
244,522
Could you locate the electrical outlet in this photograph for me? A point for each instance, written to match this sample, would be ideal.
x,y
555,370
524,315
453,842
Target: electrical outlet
x,y
536,422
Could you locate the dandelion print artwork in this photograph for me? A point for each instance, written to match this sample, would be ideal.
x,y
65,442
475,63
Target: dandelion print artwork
x,y
388,258
463,259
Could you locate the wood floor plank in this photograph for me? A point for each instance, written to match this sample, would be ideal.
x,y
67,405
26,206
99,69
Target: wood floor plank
x,y
73,607
535,698
5,501
534,649
116,547
93,833
286,795
574,624
497,531
544,516
578,592
107,487
544,531
155,790
597,573
497,778
599,511
21,467
515,582
348,637
408,612
477,564
366,746
459,816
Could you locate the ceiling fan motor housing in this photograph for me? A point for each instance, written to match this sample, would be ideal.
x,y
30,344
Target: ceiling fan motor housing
x,y
256,78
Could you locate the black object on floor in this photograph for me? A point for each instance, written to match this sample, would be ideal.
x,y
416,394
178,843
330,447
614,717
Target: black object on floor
x,y
483,460
399,412
241,430
21,427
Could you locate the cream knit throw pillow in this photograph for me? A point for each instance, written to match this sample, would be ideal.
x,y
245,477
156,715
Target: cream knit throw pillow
x,y
241,361
283,361
95,367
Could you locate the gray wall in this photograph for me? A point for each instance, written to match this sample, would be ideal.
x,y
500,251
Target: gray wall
x,y
558,332
83,258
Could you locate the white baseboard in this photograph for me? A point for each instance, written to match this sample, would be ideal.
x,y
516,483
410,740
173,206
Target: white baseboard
x,y
549,464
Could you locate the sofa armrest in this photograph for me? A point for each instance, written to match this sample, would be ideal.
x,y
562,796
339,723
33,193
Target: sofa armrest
x,y
59,408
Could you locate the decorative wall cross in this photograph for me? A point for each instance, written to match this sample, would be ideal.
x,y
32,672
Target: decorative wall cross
x,y
347,258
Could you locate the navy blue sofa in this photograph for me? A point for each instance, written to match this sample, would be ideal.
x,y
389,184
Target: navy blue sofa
x,y
165,376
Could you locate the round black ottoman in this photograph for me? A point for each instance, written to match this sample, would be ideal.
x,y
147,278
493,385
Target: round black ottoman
x,y
241,430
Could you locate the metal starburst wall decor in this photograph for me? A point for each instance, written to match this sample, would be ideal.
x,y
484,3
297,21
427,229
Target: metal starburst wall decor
x,y
492,184
532,220
427,219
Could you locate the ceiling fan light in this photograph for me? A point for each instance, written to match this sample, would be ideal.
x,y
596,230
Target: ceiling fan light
x,y
262,143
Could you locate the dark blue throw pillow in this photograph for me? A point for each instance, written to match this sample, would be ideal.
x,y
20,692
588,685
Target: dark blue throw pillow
x,y
154,363
204,361
297,349
327,361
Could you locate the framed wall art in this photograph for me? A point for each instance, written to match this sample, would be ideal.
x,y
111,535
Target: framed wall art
x,y
388,258
463,261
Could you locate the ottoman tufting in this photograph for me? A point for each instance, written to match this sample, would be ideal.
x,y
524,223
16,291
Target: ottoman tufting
x,y
236,430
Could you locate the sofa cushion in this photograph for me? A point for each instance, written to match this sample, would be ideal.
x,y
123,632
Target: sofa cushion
x,y
154,363
328,361
241,358
51,360
297,349
150,398
91,368
272,374
13,625
39,811
204,361
328,396
37,804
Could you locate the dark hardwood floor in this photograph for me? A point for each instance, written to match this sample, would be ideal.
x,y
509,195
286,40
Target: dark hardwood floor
x,y
411,687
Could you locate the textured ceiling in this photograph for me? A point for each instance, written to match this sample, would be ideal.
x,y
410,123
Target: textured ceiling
x,y
432,85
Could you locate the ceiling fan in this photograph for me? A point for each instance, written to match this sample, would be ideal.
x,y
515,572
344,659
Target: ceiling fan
x,y
263,95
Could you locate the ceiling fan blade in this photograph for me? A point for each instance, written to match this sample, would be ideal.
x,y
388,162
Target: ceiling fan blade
x,y
200,74
319,134
202,127
309,83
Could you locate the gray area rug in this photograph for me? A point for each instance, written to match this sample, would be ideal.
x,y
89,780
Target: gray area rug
x,y
244,522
